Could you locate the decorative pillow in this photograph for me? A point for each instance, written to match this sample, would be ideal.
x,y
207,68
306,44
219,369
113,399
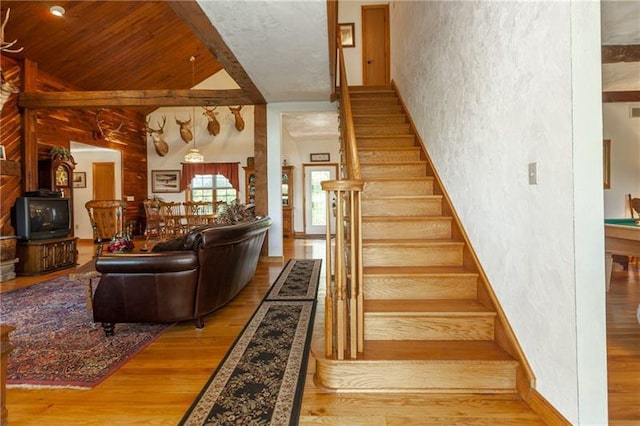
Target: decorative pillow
x,y
174,244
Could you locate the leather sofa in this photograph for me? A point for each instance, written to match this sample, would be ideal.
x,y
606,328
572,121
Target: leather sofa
x,y
200,273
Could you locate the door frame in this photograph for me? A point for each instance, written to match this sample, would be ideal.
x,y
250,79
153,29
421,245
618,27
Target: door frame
x,y
387,41
305,166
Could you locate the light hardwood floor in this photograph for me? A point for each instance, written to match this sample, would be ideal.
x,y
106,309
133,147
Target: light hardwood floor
x,y
158,385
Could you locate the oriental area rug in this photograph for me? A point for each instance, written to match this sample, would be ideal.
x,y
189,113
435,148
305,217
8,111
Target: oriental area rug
x,y
56,343
261,378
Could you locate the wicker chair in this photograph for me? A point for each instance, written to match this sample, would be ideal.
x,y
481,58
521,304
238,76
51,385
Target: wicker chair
x,y
107,220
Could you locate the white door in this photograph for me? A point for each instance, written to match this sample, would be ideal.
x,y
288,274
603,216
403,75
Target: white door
x,y
315,199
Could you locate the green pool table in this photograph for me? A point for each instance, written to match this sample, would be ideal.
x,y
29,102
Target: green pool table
x,y
621,236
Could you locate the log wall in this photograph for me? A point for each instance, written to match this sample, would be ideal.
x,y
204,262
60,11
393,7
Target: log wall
x,y
58,127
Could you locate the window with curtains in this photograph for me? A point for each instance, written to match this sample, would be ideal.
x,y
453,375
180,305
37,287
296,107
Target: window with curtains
x,y
212,188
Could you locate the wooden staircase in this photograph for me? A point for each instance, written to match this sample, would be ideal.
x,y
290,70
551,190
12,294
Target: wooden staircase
x,y
430,324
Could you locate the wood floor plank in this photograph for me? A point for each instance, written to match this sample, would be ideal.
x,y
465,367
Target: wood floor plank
x,y
158,385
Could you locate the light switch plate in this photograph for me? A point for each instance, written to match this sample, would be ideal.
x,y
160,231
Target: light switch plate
x,y
533,173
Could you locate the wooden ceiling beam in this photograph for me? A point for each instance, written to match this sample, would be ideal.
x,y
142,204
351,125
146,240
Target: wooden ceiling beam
x,y
133,98
203,28
612,54
628,96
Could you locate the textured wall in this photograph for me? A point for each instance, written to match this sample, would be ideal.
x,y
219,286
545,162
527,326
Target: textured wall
x,y
624,133
489,86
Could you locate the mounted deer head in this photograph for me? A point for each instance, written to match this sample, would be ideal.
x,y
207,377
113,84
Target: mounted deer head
x,y
162,148
6,88
99,133
213,127
185,131
239,120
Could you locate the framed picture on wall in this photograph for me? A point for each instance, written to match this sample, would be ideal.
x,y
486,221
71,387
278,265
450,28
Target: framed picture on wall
x,y
320,157
347,34
79,179
165,180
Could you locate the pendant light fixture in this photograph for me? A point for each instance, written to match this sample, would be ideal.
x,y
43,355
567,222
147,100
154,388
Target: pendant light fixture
x,y
194,155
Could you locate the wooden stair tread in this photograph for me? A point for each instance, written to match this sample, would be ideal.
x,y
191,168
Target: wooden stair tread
x,y
406,218
399,179
426,307
399,271
400,197
435,350
409,242
390,149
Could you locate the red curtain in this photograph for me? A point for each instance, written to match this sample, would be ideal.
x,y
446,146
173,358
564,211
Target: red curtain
x,y
228,170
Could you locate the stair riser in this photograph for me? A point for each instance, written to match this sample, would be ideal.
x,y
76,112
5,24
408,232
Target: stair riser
x,y
402,207
423,376
385,142
376,109
372,95
389,188
427,230
390,327
400,255
388,156
393,170
436,287
380,119
382,129
374,101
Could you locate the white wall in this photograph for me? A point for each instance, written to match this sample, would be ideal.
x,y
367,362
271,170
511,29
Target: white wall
x,y
490,88
228,146
624,133
275,153
297,151
85,156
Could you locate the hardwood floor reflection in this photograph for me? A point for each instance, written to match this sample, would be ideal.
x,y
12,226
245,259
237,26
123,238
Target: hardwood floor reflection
x,y
158,385
623,346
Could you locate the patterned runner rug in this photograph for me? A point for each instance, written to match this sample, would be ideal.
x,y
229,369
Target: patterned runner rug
x,y
261,379
57,345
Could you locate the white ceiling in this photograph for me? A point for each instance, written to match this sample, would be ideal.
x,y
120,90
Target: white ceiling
x,y
283,47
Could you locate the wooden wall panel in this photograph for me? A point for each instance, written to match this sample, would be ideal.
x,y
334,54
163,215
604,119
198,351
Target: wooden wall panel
x,y
59,127
10,186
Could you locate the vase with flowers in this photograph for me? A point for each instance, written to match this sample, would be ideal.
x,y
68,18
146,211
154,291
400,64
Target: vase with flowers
x,y
120,244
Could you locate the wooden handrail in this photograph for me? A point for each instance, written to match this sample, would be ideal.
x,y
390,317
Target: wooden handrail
x,y
344,314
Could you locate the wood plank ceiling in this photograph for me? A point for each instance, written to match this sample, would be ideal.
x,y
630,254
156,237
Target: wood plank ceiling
x,y
110,46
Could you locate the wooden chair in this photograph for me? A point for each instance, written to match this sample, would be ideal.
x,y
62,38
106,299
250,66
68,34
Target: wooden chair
x,y
172,213
107,220
154,219
634,206
196,213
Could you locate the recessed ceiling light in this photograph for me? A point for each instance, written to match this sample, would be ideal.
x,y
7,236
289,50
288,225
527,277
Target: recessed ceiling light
x,y
57,10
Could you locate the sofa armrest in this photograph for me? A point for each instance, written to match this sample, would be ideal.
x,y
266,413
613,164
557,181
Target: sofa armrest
x,y
170,261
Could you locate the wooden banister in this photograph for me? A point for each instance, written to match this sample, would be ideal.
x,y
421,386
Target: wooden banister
x,y
344,314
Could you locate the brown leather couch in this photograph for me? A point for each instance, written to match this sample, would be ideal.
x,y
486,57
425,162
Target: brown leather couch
x,y
200,273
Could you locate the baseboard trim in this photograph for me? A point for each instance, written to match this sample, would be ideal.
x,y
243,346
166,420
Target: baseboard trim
x,y
543,408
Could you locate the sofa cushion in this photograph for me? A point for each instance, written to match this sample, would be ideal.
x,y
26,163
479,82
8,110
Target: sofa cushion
x,y
191,241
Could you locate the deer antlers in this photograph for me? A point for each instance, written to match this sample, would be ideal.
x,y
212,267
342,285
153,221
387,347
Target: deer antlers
x,y
6,87
162,148
6,46
185,131
213,127
239,119
99,133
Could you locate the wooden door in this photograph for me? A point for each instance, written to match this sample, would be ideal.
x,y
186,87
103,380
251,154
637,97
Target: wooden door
x,y
104,181
375,45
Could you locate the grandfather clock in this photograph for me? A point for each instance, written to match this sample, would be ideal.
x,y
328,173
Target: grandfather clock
x,y
57,174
